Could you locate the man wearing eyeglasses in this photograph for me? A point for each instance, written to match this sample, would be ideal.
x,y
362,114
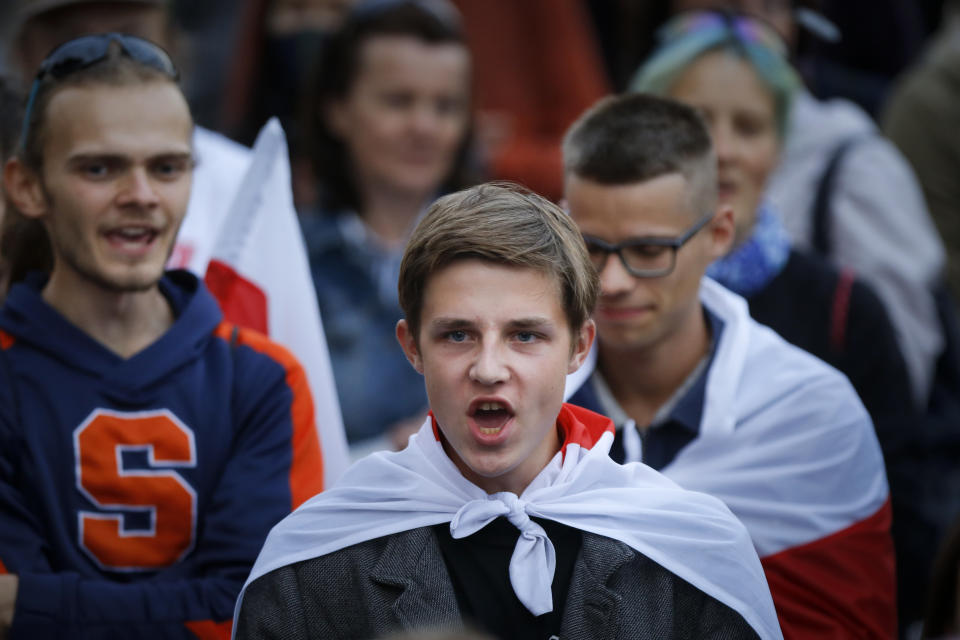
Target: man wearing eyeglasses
x,y
704,394
146,446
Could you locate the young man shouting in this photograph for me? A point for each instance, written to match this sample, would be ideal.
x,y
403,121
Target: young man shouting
x,y
505,510
700,391
146,447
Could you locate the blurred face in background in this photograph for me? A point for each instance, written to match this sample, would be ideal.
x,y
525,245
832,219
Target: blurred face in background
x,y
406,114
741,114
41,34
641,314
292,16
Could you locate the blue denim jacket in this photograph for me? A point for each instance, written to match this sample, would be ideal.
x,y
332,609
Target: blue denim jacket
x,y
356,283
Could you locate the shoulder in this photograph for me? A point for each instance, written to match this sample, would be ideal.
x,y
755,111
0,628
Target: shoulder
x,y
342,569
782,375
780,383
328,578
254,342
262,367
669,601
349,592
804,287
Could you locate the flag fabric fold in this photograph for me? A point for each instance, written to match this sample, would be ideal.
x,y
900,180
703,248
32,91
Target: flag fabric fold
x,y
259,273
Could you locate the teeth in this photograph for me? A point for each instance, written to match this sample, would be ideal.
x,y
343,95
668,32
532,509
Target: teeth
x,y
128,232
491,406
490,431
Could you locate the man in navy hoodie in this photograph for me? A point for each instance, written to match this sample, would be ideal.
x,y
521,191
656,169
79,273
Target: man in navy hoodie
x,y
146,447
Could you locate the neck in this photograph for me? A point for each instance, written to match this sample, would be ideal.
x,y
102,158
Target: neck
x,y
643,379
390,214
124,322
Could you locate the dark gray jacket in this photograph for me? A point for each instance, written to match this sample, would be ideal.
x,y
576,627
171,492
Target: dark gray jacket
x,y
400,582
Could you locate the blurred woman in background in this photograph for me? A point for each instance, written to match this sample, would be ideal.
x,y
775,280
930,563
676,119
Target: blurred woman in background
x,y
734,69
389,125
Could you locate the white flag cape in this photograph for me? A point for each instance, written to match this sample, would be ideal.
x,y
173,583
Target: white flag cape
x,y
260,276
691,534
784,440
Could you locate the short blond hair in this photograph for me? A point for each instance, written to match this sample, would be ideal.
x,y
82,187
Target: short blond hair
x,y
506,224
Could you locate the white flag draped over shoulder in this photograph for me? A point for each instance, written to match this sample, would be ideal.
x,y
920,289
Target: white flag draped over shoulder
x,y
260,275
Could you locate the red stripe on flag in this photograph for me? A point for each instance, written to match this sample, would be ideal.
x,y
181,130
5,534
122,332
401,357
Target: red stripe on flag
x,y
210,630
242,302
840,586
582,426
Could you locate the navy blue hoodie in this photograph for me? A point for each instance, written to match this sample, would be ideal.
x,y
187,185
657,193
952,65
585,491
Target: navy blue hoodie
x,y
136,493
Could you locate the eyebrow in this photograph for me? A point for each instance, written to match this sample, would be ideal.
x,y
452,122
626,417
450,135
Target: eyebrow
x,y
120,158
524,324
110,158
537,323
450,324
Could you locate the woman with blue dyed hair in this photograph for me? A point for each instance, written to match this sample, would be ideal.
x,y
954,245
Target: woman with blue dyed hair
x,y
734,69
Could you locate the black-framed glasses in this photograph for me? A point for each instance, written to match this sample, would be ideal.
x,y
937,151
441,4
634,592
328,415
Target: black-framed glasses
x,y
647,257
86,51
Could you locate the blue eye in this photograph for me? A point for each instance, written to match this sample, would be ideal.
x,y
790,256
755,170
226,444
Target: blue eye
x,y
457,336
526,336
95,170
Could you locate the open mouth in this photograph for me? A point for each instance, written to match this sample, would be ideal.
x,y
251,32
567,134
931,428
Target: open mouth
x,y
132,240
726,188
490,417
132,235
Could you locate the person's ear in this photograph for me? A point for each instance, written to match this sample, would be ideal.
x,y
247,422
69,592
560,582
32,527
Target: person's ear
x,y
721,232
581,345
24,189
408,342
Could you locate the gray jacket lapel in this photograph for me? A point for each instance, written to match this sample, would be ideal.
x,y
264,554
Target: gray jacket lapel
x,y
592,606
418,591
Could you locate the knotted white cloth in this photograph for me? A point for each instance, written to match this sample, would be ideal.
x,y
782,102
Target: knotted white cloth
x,y
691,534
534,559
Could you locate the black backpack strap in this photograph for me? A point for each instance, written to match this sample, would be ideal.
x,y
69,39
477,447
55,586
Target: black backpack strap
x,y
820,237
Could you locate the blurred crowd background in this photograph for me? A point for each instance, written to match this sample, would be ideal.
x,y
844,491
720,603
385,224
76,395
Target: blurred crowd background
x,y
244,60
535,66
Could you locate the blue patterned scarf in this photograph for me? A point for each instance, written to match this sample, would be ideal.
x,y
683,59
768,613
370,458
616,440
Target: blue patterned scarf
x,y
752,265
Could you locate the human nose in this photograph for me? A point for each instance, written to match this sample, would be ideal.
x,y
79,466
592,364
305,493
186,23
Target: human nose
x,y
424,119
138,189
724,142
489,366
614,277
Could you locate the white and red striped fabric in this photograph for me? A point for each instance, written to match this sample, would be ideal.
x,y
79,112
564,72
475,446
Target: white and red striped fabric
x,y
786,444
691,534
256,266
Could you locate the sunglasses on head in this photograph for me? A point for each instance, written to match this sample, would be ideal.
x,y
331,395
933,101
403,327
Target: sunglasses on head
x,y
87,51
741,27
